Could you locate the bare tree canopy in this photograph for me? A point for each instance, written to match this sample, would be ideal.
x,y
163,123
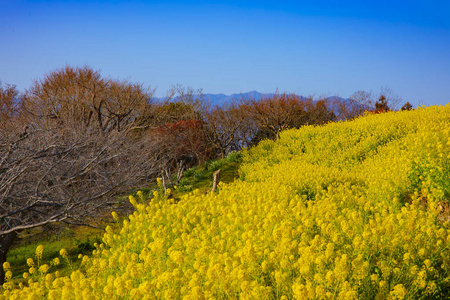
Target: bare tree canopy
x,y
71,151
277,112
8,104
82,95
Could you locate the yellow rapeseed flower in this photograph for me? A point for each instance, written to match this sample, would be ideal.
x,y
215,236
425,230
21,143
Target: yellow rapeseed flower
x,y
55,261
8,275
44,268
6,266
63,252
399,292
39,251
30,262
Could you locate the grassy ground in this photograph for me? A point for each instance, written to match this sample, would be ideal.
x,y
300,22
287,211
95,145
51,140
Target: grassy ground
x,y
80,240
200,177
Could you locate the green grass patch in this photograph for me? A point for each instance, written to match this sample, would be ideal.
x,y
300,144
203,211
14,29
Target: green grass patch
x,y
76,240
201,177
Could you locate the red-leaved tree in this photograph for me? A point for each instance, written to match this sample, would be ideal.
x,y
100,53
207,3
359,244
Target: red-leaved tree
x,y
181,144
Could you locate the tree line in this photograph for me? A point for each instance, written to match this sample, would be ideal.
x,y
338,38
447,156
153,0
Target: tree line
x,y
75,140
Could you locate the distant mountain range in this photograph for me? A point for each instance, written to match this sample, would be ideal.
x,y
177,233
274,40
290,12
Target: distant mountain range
x,y
222,99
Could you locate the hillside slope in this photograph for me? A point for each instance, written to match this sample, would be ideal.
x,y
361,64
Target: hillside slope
x,y
347,210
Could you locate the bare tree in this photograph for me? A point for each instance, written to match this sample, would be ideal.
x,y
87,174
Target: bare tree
x,y
82,95
277,112
225,126
69,94
179,145
9,106
65,174
320,112
60,164
177,131
392,100
359,102
180,103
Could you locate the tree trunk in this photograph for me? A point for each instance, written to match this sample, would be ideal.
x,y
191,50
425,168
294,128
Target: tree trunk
x,y
5,243
180,168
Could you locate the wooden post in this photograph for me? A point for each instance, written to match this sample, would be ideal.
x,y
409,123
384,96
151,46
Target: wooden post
x,y
164,183
216,176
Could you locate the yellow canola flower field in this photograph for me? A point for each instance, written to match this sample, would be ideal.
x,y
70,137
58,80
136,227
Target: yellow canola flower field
x,y
349,210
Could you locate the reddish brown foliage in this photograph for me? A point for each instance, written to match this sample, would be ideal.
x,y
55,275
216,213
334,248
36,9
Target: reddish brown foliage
x,y
184,139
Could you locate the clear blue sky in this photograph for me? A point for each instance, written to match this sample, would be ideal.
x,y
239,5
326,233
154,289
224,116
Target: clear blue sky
x,y
306,47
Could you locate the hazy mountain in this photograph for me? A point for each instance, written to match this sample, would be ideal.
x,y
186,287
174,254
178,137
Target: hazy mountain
x,y
220,99
223,99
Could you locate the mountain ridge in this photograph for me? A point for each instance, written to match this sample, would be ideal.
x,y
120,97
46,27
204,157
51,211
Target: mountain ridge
x,y
222,99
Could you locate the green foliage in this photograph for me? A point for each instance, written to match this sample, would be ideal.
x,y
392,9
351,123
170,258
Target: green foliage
x,y
234,157
87,246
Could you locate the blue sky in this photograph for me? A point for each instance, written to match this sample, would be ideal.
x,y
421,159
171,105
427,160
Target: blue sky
x,y
305,47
